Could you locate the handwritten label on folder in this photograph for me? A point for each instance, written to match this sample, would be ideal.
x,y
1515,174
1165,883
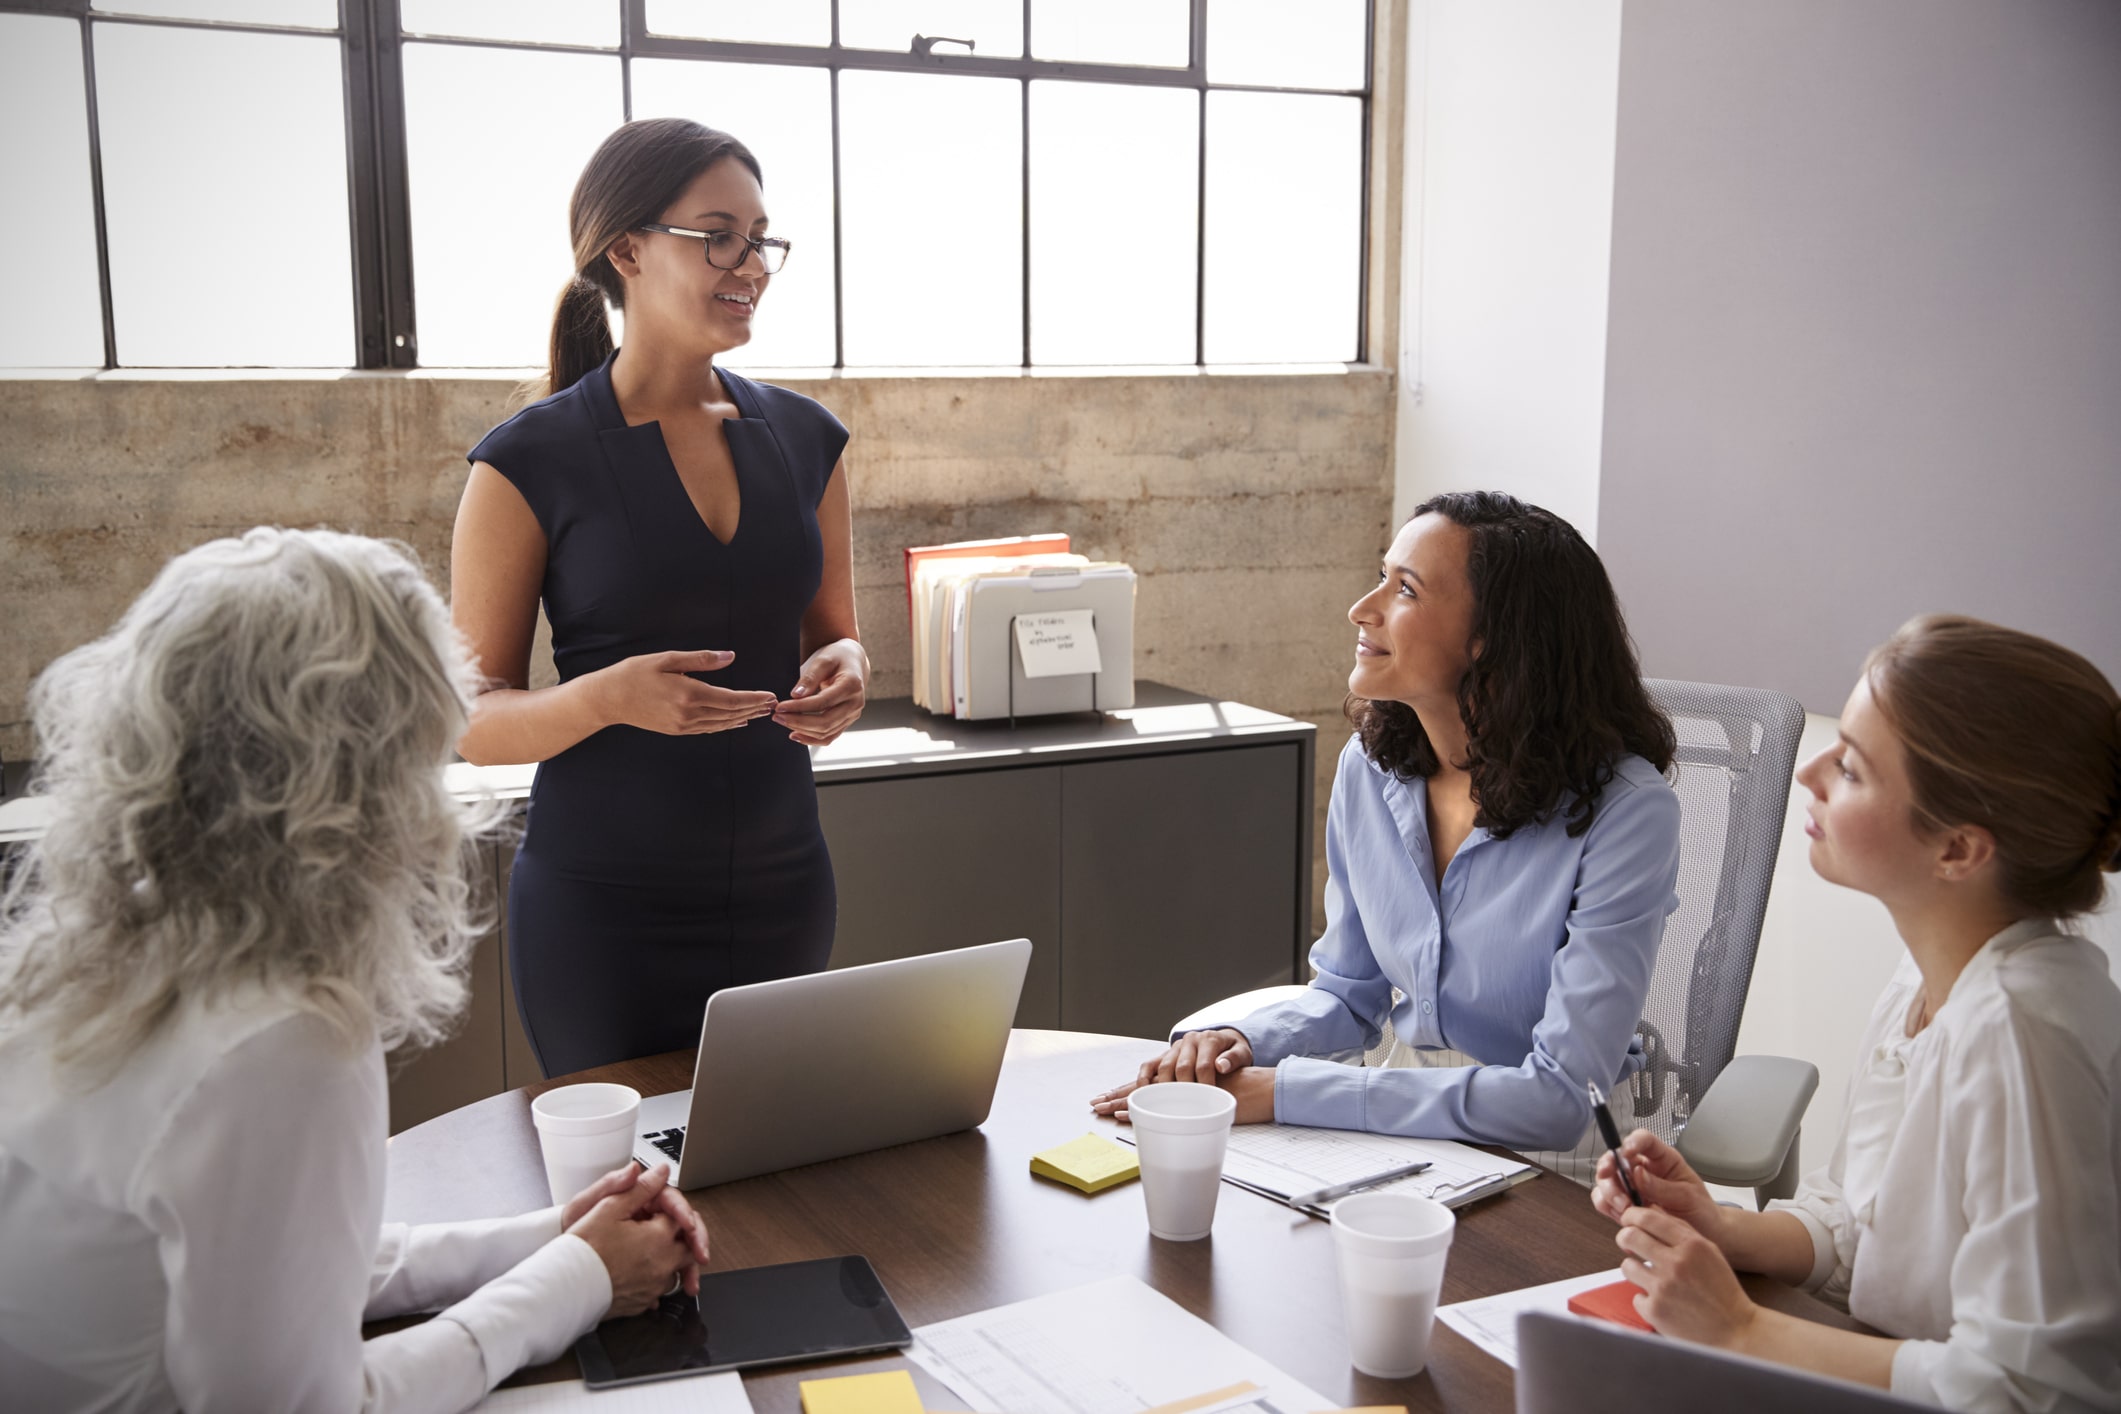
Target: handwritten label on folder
x,y
1054,645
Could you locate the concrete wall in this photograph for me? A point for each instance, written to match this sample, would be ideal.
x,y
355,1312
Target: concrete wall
x,y
1865,330
1510,117
1254,506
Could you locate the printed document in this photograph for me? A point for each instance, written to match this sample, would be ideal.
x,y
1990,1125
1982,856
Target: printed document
x,y
1491,1321
1111,1347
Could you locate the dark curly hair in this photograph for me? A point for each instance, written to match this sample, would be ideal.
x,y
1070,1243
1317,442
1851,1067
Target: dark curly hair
x,y
1554,696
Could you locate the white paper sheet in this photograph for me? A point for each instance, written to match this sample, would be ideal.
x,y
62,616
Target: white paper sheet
x,y
1283,1160
1491,1321
689,1394
1112,1347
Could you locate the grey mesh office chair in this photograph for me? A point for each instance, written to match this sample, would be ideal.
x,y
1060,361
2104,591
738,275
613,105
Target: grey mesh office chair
x,y
1735,1120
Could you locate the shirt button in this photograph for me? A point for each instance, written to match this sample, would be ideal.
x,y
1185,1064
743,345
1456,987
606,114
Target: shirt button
x,y
1427,1007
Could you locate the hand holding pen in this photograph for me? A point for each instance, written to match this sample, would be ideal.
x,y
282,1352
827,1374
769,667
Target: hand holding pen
x,y
1659,1177
1610,1132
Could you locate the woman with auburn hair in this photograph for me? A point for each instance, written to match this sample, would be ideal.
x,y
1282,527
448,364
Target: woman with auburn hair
x,y
252,887
1501,851
687,531
1971,1209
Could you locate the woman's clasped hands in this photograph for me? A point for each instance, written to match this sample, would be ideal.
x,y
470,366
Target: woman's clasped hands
x,y
1674,1246
650,1239
1222,1057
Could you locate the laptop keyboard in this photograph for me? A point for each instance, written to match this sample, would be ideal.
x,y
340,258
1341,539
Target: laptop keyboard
x,y
670,1141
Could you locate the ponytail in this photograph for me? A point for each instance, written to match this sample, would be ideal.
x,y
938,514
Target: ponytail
x,y
581,334
637,171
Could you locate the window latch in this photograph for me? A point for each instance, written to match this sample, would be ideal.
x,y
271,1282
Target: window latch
x,y
924,44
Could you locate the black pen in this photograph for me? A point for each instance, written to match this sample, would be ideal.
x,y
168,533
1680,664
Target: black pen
x,y
1611,1132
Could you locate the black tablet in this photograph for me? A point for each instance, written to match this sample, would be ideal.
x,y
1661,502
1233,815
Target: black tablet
x,y
757,1316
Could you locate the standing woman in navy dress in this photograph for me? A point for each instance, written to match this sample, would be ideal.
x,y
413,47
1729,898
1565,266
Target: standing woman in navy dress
x,y
688,532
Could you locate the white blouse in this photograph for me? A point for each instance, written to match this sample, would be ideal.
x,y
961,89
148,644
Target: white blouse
x,y
205,1232
1972,1206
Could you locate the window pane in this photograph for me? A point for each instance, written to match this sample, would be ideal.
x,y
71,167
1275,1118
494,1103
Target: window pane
x,y
308,14
1284,215
494,140
228,234
1156,32
56,319
996,27
1316,45
931,174
544,21
784,115
744,21
1114,189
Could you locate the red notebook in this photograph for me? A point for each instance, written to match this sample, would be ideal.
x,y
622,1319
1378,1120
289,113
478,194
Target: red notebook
x,y
1614,1302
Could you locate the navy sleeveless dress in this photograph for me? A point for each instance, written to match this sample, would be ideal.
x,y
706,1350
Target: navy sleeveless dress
x,y
658,869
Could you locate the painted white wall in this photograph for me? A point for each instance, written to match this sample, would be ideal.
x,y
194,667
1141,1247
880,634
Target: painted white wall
x,y
1825,954
1511,117
1865,330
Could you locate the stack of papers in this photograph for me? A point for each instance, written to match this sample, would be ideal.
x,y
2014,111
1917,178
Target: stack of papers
x,y
1282,1161
1112,1347
966,648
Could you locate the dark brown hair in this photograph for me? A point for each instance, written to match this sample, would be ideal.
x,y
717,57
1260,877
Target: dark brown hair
x,y
2014,734
637,172
1554,697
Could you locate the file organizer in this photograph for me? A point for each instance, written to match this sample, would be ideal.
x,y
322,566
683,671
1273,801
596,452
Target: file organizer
x,y
966,663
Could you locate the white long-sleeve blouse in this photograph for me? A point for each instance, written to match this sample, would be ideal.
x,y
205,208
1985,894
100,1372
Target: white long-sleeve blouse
x,y
1972,1205
204,1231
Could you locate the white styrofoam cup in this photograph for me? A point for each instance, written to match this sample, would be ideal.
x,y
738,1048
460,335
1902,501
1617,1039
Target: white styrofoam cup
x,y
1180,1132
584,1131
1391,1249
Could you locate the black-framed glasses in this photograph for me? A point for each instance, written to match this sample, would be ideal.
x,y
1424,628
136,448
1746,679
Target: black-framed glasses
x,y
728,250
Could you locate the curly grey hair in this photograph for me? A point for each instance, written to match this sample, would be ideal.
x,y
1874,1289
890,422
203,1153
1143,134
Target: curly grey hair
x,y
246,786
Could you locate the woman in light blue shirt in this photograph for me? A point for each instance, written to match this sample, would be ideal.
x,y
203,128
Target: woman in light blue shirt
x,y
1501,851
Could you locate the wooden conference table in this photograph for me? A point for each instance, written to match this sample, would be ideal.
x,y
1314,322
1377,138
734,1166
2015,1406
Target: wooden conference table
x,y
958,1224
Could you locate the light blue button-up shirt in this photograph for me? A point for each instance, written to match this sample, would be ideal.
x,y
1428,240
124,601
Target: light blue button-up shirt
x,y
1533,953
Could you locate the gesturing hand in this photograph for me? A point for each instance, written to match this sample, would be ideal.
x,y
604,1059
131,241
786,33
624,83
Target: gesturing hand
x,y
652,691
828,696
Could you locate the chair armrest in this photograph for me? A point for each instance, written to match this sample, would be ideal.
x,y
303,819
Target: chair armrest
x,y
1742,1130
1243,1004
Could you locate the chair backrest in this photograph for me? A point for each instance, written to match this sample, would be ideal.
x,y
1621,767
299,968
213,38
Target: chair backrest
x,y
1737,754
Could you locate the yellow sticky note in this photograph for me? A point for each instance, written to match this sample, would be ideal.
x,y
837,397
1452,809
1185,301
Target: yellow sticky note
x,y
891,1392
1092,1163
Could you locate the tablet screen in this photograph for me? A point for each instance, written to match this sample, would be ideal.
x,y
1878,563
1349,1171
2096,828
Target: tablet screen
x,y
756,1316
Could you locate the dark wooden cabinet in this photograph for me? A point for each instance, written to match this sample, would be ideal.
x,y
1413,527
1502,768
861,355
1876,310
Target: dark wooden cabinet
x,y
927,863
1178,881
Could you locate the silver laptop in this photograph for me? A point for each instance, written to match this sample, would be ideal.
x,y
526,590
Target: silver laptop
x,y
1568,1365
836,1063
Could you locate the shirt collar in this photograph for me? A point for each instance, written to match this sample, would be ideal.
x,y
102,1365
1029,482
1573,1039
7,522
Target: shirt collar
x,y
1990,957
